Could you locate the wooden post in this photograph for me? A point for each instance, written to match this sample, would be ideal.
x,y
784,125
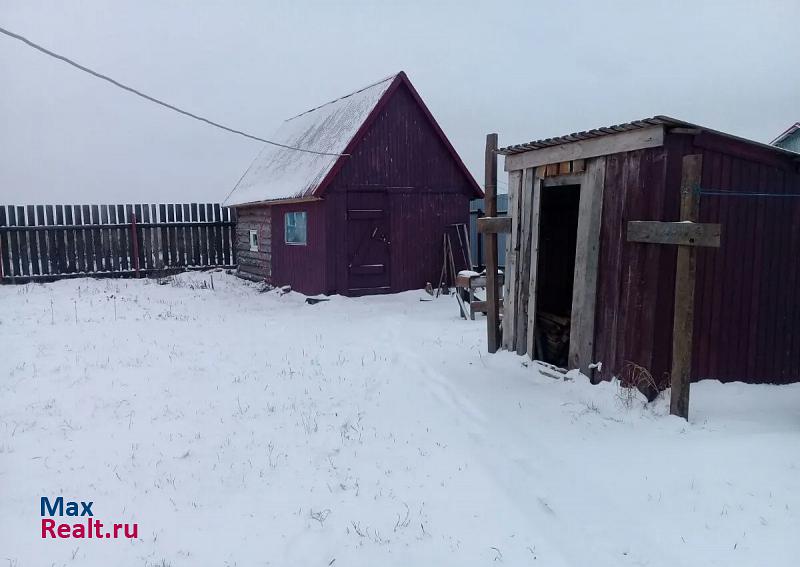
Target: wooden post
x,y
490,246
687,235
683,321
134,244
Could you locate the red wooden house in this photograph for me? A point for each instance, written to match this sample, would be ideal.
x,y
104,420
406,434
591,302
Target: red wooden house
x,y
369,220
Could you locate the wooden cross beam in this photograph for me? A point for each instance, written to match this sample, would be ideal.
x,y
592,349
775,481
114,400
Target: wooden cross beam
x,y
687,235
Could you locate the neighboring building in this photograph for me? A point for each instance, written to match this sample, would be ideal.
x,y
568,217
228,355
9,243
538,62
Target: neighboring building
x,y
370,221
790,139
617,296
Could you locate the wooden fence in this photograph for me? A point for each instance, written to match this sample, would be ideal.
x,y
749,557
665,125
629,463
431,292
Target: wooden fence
x,y
50,242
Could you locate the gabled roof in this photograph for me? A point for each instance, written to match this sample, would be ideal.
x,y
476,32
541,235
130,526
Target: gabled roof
x,y
627,127
789,131
279,174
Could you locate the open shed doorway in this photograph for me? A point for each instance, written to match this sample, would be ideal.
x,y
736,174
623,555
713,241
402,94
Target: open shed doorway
x,y
558,233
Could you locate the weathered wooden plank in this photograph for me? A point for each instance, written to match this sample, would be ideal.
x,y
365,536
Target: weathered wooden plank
x,y
105,239
147,238
187,235
510,287
33,240
5,247
195,236
233,216
226,238
124,239
533,259
683,323
603,145
139,249
682,233
44,241
494,225
97,240
218,229
88,239
563,180
203,231
180,236
80,244
173,233
113,239
70,261
54,238
526,199
587,250
164,237
492,307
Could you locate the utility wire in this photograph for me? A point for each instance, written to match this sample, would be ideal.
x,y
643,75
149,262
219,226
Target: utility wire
x,y
728,193
153,99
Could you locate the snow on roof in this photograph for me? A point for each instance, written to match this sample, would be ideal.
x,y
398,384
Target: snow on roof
x,y
786,133
282,173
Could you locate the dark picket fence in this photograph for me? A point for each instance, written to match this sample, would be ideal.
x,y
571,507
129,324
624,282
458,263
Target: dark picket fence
x,y
50,242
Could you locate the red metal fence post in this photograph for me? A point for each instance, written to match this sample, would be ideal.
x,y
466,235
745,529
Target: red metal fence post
x,y
134,244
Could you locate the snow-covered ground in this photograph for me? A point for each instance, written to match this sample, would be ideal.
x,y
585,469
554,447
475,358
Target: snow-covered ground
x,y
245,428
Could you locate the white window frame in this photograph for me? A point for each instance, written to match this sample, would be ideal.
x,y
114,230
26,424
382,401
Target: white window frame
x,y
253,238
293,223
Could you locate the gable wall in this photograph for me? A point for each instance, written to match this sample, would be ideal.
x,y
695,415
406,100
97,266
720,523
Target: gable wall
x,y
401,153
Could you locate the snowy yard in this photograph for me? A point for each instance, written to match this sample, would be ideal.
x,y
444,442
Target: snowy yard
x,y
245,428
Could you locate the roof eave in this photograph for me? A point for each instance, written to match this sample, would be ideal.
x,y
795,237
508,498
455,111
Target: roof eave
x,y
270,202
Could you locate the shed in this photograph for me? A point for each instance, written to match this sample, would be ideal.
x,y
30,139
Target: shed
x,y
370,220
579,191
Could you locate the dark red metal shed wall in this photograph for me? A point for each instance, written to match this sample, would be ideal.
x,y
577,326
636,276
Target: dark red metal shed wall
x,y
302,267
747,315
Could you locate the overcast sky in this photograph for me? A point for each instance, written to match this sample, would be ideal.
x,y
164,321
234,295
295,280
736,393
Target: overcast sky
x,y
523,69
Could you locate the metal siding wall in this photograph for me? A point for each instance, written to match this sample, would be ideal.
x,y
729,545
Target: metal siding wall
x,y
747,312
401,150
418,222
402,153
302,267
748,316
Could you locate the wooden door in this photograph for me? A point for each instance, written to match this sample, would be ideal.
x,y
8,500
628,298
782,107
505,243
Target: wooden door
x,y
368,244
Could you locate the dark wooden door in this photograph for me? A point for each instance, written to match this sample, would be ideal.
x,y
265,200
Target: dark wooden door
x,y
368,243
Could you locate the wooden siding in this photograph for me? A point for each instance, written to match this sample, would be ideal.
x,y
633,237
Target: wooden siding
x,y
747,315
634,296
254,265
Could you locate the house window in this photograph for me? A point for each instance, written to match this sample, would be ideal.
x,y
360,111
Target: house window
x,y
253,241
294,228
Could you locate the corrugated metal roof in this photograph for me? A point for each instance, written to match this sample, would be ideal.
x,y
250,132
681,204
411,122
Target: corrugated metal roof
x,y
626,127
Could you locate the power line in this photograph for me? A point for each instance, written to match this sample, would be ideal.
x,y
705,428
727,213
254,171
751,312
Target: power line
x,y
153,99
729,193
